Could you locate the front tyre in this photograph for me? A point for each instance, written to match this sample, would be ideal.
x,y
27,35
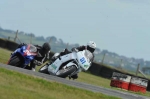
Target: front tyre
x,y
64,72
15,61
44,69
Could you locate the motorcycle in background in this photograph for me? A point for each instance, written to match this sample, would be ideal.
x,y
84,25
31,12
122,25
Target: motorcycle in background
x,y
69,64
21,57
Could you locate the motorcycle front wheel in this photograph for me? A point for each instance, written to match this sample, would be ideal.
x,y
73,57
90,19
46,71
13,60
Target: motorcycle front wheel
x,y
15,61
66,72
44,69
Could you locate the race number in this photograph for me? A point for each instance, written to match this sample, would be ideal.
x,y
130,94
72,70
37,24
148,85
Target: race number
x,y
82,60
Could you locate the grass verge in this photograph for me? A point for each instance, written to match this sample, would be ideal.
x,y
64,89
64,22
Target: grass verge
x,y
14,85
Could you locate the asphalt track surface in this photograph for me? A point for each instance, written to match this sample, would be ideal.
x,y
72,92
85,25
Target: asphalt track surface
x,y
121,94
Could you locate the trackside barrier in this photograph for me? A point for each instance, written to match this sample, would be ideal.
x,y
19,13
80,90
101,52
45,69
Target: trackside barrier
x,y
3,43
10,45
120,80
138,84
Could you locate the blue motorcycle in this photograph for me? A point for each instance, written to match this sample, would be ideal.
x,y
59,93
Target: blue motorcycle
x,y
21,57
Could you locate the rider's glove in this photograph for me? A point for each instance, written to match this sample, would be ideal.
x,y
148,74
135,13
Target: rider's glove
x,y
37,62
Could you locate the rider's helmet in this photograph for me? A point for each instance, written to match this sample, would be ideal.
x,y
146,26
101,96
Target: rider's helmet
x,y
91,45
46,48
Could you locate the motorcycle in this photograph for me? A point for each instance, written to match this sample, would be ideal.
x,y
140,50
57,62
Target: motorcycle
x,y
69,64
21,57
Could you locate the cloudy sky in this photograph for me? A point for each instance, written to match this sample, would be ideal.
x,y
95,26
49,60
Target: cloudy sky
x,y
120,26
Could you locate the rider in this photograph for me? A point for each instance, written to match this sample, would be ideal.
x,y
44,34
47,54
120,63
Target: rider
x,y
43,55
91,46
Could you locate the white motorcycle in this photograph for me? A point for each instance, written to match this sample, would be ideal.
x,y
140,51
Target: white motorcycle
x,y
69,64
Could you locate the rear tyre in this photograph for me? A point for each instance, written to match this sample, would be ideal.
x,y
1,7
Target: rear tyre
x,y
15,61
66,72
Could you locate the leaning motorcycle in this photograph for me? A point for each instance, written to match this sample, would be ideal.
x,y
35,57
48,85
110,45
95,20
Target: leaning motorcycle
x,y
21,57
69,64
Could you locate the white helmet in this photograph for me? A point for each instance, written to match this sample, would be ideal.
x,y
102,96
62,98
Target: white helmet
x,y
91,45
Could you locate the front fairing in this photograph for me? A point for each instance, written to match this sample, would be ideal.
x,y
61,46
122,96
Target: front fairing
x,y
84,58
27,52
54,67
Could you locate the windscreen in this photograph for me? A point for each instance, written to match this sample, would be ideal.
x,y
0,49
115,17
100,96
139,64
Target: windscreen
x,y
33,48
89,55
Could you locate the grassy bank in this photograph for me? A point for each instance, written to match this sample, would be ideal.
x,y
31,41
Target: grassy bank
x,y
4,55
14,85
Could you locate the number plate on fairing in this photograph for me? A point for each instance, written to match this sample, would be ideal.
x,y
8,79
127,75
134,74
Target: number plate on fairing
x,y
82,60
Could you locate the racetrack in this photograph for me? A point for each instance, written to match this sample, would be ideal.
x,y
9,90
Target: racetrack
x,y
123,95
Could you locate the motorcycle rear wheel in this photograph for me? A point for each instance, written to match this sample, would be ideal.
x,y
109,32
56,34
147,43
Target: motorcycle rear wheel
x,y
66,72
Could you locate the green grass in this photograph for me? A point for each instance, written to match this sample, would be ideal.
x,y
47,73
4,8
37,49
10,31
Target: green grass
x,y
83,76
4,55
14,85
